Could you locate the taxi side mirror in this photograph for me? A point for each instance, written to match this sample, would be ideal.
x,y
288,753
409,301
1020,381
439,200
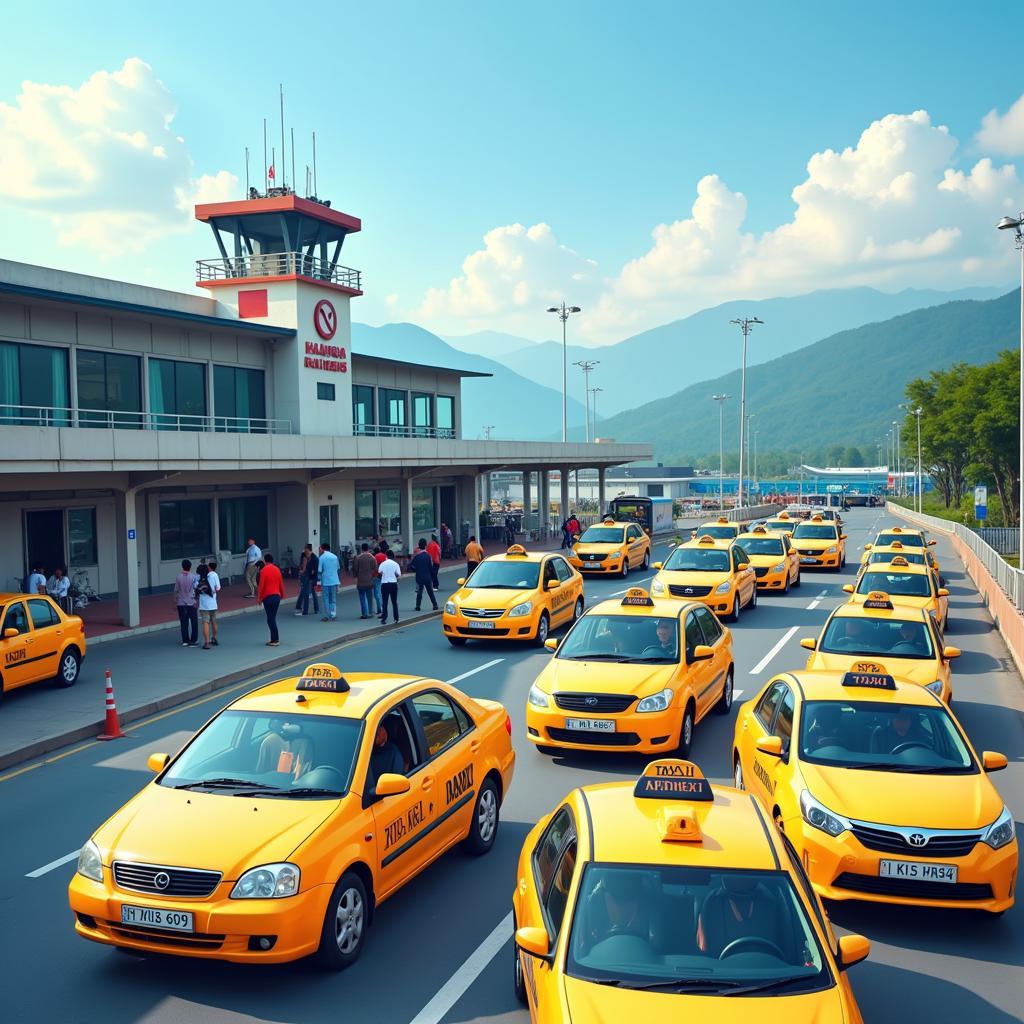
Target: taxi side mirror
x,y
770,745
943,592
842,536
949,653
808,643
552,585
743,566
156,763
867,547
657,565
852,949
702,653
848,588
551,643
993,761
932,543
391,784
461,581
10,633
533,941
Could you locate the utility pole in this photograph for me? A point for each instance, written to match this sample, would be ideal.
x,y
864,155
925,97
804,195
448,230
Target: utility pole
x,y
721,399
564,312
1015,224
586,365
745,324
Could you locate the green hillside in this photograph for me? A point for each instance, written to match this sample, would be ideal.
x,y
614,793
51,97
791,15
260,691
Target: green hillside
x,y
845,388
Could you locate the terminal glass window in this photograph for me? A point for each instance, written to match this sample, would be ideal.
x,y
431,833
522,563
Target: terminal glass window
x,y
185,530
82,537
109,389
422,413
33,385
423,515
239,395
362,409
324,392
389,503
391,405
366,520
445,416
239,519
177,394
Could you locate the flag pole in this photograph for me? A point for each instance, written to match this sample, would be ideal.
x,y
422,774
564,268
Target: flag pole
x,y
284,152
265,165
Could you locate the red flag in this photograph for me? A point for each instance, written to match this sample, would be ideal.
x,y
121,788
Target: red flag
x,y
270,173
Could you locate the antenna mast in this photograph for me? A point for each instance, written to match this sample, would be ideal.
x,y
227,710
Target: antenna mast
x,y
284,152
314,165
265,165
246,172
294,178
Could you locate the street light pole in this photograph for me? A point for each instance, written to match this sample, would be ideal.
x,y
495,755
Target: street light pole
x,y
1015,223
896,454
721,399
564,312
586,365
756,480
745,324
920,474
594,392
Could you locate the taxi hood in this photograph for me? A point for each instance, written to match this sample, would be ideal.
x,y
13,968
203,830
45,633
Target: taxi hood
x,y
217,831
562,675
603,1004
896,798
492,597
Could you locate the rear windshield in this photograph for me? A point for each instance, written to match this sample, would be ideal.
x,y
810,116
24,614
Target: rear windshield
x,y
913,557
895,583
908,540
720,531
866,636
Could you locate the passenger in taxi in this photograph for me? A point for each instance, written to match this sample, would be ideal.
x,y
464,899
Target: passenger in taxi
x,y
741,915
902,729
385,758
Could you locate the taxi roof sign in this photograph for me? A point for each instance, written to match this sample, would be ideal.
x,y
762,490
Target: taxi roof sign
x,y
705,538
638,597
817,518
672,779
897,544
608,522
869,675
783,515
758,529
878,599
722,519
516,549
323,677
899,560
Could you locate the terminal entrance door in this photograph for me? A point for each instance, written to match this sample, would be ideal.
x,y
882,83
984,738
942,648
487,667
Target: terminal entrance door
x,y
44,540
329,526
447,510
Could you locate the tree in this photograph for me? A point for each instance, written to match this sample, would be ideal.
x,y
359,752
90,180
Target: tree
x,y
996,427
853,457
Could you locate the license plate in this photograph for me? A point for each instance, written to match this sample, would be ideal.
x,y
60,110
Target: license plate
x,y
153,917
481,625
806,559
591,724
591,565
922,871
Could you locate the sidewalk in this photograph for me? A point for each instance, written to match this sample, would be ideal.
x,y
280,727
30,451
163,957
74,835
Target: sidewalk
x,y
151,671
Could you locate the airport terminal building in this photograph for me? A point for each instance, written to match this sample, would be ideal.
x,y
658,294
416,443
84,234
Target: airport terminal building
x,y
140,426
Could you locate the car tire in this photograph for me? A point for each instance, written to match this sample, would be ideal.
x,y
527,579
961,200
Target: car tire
x,y
734,615
67,671
543,628
625,568
518,981
737,772
346,920
647,559
483,828
457,641
577,610
685,733
724,703
753,599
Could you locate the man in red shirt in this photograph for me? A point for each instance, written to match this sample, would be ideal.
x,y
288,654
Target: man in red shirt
x,y
434,550
270,593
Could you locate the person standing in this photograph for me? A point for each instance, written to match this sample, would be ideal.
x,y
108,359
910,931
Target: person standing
x,y
309,568
447,541
185,601
422,566
57,586
390,573
207,586
566,535
252,556
270,594
379,554
36,581
474,555
330,578
434,550
365,569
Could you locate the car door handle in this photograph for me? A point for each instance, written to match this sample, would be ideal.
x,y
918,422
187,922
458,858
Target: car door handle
x,y
475,746
522,885
30,640
427,782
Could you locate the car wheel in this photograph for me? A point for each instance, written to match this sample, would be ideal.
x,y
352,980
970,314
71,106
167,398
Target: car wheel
x,y
518,981
647,559
67,674
737,772
686,733
542,630
785,589
724,703
734,615
457,641
484,827
753,598
625,567
577,610
344,930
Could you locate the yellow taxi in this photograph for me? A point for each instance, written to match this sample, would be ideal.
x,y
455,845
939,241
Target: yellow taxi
x,y
820,544
663,900
350,786
38,641
633,674
721,529
716,573
912,586
776,562
782,523
520,595
887,552
907,640
913,539
611,547
879,790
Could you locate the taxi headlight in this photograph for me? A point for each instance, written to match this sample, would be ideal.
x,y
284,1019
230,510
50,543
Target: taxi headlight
x,y
935,687
1001,831
723,588
779,568
615,554
657,587
521,609
90,863
656,701
538,698
832,550
272,881
449,608
818,816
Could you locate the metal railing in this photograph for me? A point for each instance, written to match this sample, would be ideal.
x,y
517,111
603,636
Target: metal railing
x,y
374,430
1010,580
50,416
1005,539
278,264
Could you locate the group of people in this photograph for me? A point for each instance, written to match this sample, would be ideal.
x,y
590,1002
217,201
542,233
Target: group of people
x,y
571,529
58,586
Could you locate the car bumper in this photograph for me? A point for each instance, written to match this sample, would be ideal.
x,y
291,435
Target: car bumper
x,y
520,627
773,580
843,869
819,560
609,565
720,604
648,733
223,927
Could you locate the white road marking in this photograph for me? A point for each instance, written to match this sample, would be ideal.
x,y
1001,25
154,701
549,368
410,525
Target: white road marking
x,y
617,593
473,671
458,984
737,693
759,667
814,604
67,859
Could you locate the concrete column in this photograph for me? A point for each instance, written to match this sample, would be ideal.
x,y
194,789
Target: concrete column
x,y
405,510
563,494
527,497
487,490
469,507
601,471
576,481
544,501
127,557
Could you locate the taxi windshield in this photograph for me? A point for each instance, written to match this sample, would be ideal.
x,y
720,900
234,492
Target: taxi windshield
x,y
624,638
908,540
913,557
779,524
762,545
894,582
693,930
718,531
272,754
883,737
602,535
812,531
896,637
515,574
705,559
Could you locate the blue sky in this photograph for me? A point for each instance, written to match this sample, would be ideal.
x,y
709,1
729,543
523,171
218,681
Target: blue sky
x,y
438,124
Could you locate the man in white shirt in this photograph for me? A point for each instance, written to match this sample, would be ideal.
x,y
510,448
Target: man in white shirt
x,y
57,586
252,555
390,573
207,587
36,581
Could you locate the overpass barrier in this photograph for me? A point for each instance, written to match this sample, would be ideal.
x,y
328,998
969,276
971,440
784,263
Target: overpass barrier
x,y
734,515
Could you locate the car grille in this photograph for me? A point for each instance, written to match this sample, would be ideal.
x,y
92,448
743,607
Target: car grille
x,y
913,889
592,558
483,613
761,570
887,841
596,703
594,739
137,933
181,882
679,590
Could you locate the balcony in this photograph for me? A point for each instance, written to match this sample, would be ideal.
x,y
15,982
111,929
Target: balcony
x,y
278,264
375,430
105,419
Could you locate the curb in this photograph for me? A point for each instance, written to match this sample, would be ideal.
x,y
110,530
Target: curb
x,y
89,731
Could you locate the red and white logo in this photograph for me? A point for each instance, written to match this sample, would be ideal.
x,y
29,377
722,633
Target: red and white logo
x,y
325,319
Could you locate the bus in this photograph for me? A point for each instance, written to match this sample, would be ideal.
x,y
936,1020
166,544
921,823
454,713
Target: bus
x,y
653,514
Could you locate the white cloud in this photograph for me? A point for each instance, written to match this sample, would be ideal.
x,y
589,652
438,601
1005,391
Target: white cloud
x,y
101,161
1003,133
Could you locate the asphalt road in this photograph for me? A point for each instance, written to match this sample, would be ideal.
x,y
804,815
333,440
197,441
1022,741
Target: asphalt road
x,y
440,950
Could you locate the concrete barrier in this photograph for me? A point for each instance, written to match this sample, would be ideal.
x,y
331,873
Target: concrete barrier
x,y
734,515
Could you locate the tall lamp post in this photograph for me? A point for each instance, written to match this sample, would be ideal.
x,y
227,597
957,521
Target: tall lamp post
x,y
586,365
721,399
745,324
750,416
920,473
1006,224
756,479
564,312
594,392
896,456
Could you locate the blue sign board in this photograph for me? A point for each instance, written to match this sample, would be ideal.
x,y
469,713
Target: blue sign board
x,y
980,502
131,535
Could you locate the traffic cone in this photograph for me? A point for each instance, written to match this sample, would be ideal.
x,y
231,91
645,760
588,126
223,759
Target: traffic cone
x,y
111,727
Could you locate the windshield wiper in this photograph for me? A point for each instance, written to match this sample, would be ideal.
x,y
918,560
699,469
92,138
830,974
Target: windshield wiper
x,y
763,986
298,791
664,658
596,657
221,783
704,985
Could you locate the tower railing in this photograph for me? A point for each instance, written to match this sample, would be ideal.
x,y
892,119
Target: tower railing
x,y
278,264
